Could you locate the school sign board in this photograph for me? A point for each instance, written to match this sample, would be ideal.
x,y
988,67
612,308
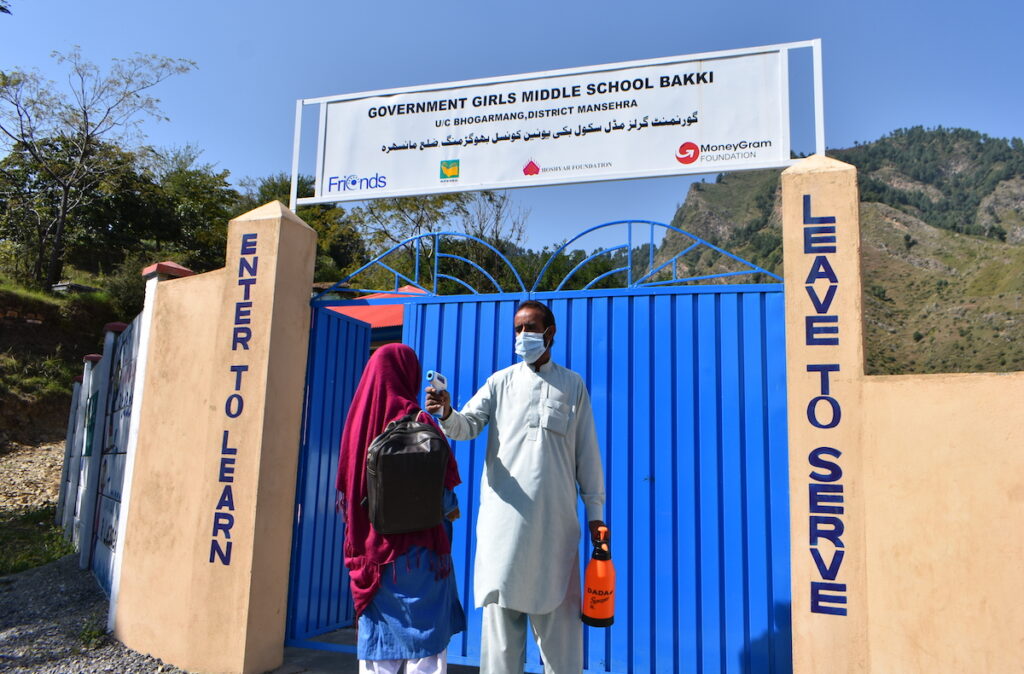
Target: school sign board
x,y
715,112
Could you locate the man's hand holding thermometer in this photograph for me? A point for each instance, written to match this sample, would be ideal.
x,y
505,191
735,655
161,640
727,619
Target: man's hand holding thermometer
x,y
438,400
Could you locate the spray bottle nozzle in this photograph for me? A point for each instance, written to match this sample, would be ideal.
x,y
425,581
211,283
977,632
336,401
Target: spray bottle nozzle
x,y
602,549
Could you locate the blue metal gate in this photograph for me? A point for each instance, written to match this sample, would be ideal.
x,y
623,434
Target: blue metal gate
x,y
318,595
688,389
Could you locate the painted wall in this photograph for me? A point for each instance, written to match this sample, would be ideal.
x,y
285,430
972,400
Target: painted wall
x,y
944,476
906,492
204,575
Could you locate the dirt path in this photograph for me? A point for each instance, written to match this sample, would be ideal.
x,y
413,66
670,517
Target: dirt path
x,y
30,476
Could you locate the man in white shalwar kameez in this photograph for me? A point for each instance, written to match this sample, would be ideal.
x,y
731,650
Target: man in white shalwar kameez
x,y
541,444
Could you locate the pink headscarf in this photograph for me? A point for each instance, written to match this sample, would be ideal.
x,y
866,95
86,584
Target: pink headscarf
x,y
387,391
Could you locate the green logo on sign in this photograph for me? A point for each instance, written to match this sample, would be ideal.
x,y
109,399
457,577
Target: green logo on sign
x,y
449,169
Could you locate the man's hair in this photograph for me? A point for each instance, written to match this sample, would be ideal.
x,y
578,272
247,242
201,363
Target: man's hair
x,y
549,318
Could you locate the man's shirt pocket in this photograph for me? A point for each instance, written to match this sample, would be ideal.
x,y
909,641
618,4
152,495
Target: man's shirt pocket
x,y
554,416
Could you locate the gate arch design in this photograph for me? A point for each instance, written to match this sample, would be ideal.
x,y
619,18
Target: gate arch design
x,y
687,381
435,249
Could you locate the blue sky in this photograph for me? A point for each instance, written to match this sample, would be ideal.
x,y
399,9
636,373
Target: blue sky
x,y
887,65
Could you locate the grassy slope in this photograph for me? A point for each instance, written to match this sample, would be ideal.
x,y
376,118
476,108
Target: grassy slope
x,y
940,301
28,538
42,341
936,302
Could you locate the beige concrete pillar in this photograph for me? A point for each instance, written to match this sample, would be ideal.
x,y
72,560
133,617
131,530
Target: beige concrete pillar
x,y
824,363
207,540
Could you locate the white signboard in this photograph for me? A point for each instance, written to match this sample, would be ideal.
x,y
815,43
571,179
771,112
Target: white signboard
x,y
713,113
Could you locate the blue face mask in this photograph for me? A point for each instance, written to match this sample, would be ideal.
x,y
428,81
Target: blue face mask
x,y
530,345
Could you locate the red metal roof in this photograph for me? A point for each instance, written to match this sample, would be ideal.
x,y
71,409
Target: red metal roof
x,y
379,315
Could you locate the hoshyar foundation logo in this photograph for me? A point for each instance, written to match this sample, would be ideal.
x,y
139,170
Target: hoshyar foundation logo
x,y
531,168
449,171
353,182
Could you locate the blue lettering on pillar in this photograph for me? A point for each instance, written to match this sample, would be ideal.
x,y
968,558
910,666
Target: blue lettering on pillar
x,y
234,405
835,472
227,469
222,522
821,268
821,306
240,338
248,264
224,448
830,571
820,239
811,220
820,494
825,494
242,312
820,600
223,555
227,499
815,326
246,267
827,527
832,404
249,243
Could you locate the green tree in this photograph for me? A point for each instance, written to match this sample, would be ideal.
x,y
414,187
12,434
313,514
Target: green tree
x,y
340,246
201,200
130,213
62,131
489,216
106,222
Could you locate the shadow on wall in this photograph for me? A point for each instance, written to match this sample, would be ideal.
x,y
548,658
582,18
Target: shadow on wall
x,y
772,651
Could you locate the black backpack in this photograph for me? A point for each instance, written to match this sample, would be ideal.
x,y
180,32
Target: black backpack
x,y
405,469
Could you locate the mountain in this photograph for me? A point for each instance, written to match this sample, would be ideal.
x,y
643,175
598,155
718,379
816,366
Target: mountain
x,y
942,229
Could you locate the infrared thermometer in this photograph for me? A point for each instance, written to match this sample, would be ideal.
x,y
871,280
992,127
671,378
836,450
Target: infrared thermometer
x,y
437,380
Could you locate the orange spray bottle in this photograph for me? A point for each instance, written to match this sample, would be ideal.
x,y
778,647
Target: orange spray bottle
x,y
599,584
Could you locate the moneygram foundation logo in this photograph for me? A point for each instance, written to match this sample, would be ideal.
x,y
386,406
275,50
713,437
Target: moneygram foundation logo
x,y
687,153
449,169
353,182
739,150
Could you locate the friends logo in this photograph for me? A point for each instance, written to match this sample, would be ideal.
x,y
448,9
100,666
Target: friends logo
x,y
353,182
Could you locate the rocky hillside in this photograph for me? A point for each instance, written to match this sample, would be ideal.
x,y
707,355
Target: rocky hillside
x,y
942,228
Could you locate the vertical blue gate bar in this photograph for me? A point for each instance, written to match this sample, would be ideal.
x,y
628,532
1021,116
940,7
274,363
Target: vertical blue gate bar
x,y
755,474
780,635
318,594
664,653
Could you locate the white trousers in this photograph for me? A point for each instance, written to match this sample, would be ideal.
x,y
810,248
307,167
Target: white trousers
x,y
559,636
432,664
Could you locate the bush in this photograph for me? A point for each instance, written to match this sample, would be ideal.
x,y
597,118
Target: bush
x,y
14,262
34,379
126,287
879,292
87,310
